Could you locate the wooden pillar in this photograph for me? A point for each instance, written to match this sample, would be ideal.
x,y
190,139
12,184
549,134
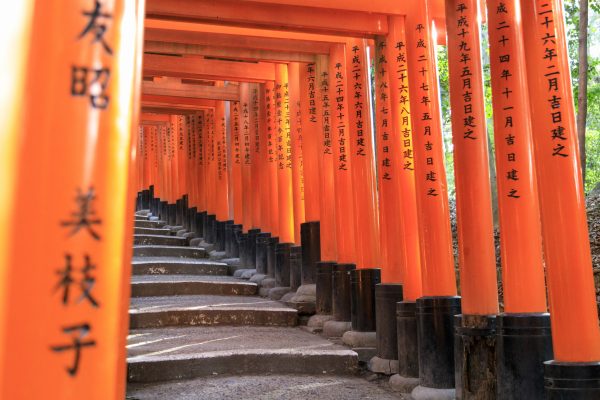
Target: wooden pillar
x,y
403,134
344,195
477,257
265,176
245,101
272,158
284,155
366,204
311,138
430,176
237,160
82,179
255,148
295,113
202,162
221,182
573,310
326,181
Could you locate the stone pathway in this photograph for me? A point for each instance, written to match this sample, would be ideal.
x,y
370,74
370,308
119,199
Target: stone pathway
x,y
197,333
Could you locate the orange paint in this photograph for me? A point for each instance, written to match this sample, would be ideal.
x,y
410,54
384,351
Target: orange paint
x,y
284,155
476,252
272,158
221,181
366,203
211,173
311,138
521,241
573,313
430,176
327,180
202,161
389,168
236,160
53,178
255,149
246,133
297,157
182,171
402,133
344,198
264,173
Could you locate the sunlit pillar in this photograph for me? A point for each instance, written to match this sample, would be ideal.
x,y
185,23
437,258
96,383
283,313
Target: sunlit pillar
x,y
236,160
272,158
297,134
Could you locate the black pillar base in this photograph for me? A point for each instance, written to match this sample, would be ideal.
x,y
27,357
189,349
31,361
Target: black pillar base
x,y
386,297
475,356
271,258
341,293
251,248
262,240
210,233
163,211
310,236
243,248
178,213
523,343
235,241
192,221
228,237
408,346
435,322
282,265
362,283
295,267
200,220
324,286
219,235
172,214
572,381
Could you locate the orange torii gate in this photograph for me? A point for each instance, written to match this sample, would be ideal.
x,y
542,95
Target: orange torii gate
x,y
275,103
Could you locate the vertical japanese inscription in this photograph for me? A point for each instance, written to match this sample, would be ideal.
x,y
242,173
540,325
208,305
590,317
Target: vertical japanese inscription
x,y
340,97
382,101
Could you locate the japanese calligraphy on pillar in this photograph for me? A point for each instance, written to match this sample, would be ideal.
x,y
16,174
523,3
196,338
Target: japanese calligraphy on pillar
x,y
298,117
246,132
271,151
558,132
220,143
324,92
91,81
255,108
340,97
200,127
77,272
287,123
425,124
403,103
237,150
357,72
511,150
383,111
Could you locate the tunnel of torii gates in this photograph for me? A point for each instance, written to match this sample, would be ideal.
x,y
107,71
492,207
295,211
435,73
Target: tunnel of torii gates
x,y
239,117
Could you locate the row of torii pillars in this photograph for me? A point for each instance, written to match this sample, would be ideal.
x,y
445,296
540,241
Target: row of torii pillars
x,y
299,149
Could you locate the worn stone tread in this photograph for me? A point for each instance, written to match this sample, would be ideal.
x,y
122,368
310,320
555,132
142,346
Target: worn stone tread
x,y
151,231
154,312
149,224
264,387
176,266
159,240
177,285
192,352
169,251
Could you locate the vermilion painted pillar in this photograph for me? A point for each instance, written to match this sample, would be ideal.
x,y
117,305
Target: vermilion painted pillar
x,y
246,132
436,358
202,159
573,310
221,182
366,204
237,160
403,134
284,155
81,178
272,158
344,195
182,172
389,167
297,147
523,278
475,354
311,111
265,176
326,181
255,148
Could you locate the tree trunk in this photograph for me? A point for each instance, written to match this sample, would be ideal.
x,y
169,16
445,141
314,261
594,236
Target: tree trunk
x,y
583,81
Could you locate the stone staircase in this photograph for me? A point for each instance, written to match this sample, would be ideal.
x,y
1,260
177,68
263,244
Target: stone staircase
x,y
197,333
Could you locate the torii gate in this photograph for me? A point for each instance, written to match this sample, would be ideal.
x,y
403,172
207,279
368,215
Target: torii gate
x,y
88,189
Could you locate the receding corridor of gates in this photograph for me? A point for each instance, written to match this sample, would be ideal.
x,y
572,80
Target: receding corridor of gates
x,y
248,199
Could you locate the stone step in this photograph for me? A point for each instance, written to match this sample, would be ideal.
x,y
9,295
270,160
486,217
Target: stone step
x,y
180,285
184,353
151,231
155,312
267,387
159,240
169,251
149,224
142,217
176,266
